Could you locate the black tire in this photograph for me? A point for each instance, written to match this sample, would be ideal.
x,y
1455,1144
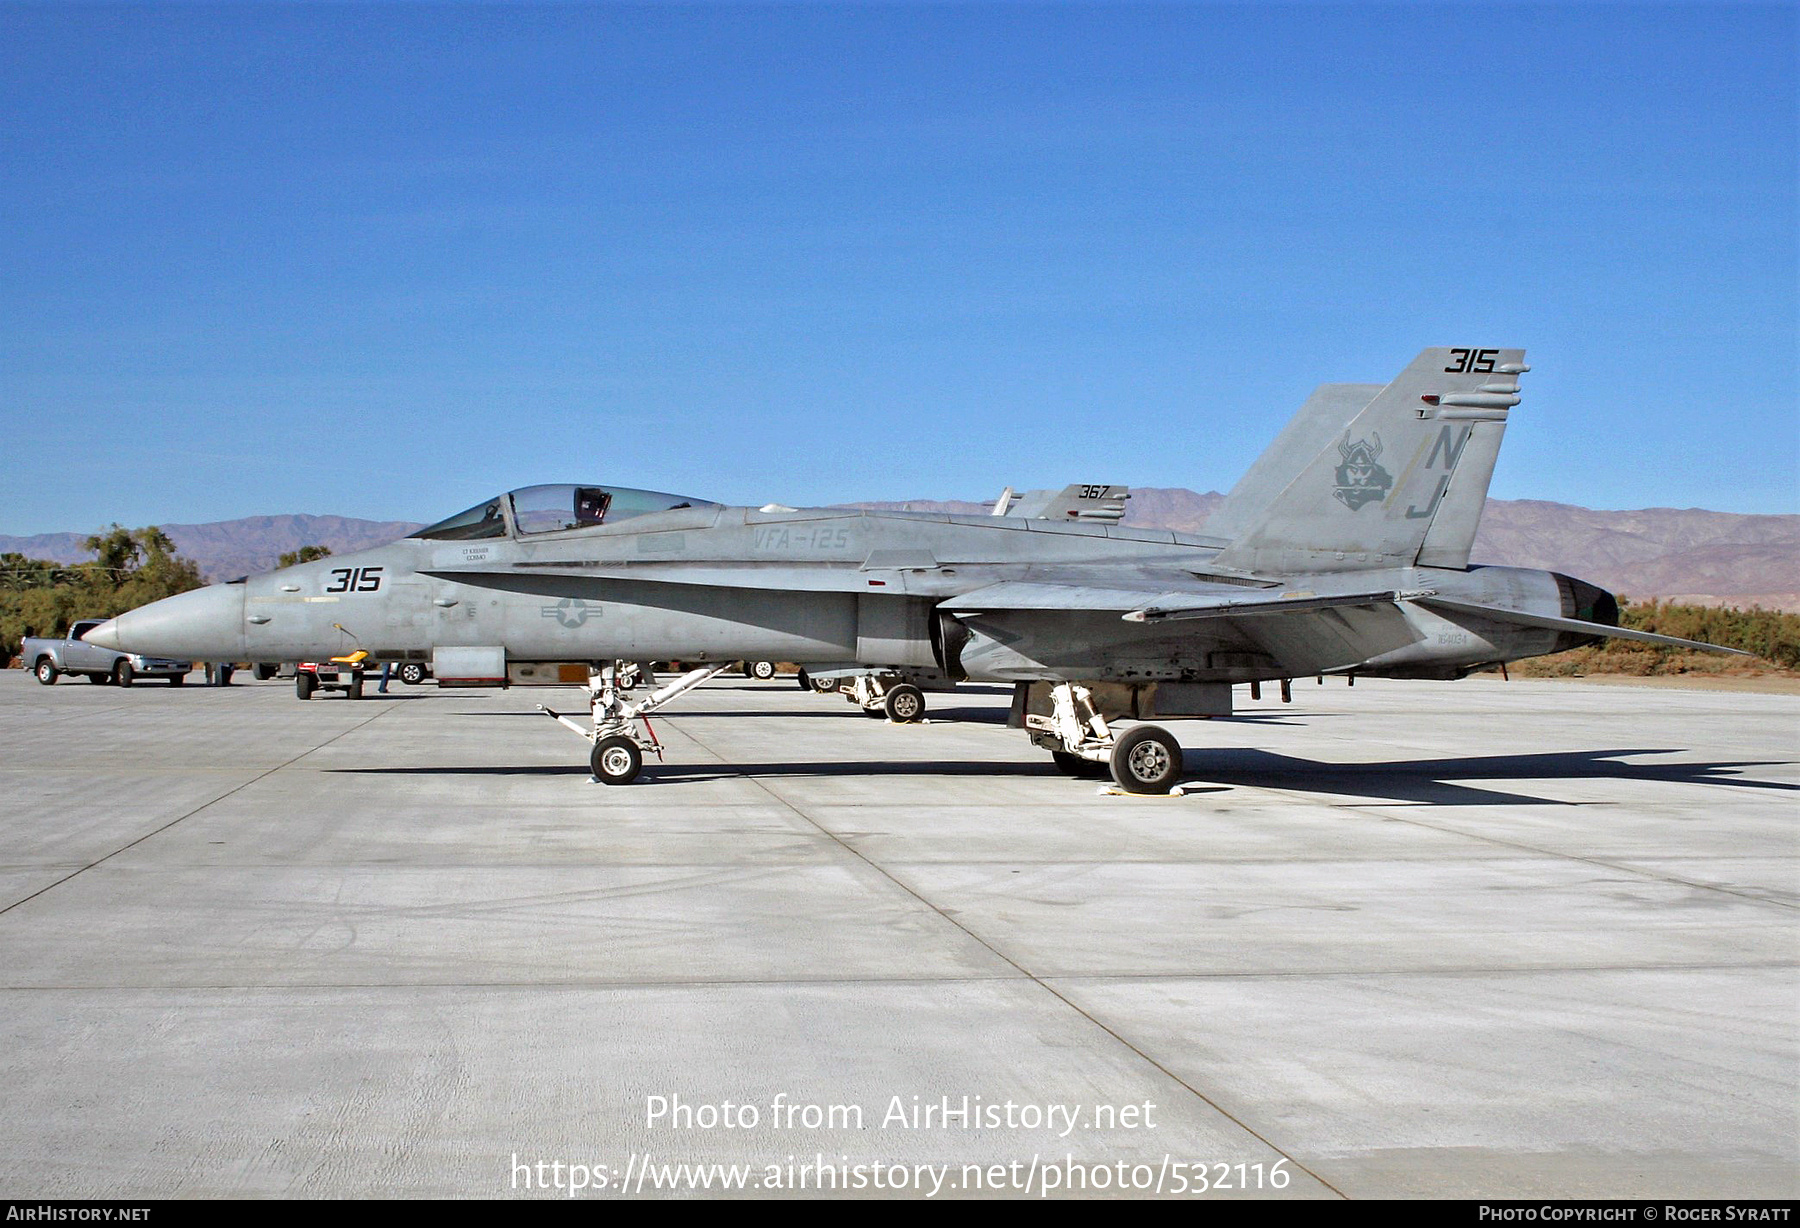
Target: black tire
x,y
45,671
177,679
804,680
354,690
225,673
1075,765
904,704
412,673
266,671
1146,760
823,686
305,683
100,679
616,760
123,674
762,671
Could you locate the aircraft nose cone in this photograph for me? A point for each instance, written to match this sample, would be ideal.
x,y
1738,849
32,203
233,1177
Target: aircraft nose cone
x,y
106,635
206,624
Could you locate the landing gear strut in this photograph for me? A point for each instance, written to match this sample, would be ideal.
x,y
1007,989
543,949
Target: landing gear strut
x,y
1144,759
618,746
901,702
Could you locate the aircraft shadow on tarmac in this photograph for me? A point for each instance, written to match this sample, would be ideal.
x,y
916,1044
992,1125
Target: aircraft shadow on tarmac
x,y
1424,782
1441,782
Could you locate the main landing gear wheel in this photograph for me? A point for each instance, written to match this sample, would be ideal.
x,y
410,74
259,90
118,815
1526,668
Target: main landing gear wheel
x,y
762,671
616,760
904,704
804,680
1146,760
823,686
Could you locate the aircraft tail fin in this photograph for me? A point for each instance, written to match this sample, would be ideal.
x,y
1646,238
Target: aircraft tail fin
x,y
1319,421
1105,504
1400,481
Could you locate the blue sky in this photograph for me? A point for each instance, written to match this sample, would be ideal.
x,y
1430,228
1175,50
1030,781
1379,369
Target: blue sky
x,y
382,261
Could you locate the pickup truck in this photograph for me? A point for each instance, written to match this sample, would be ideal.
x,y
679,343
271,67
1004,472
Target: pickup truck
x,y
50,659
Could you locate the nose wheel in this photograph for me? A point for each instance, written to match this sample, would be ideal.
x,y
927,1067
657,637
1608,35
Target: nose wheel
x,y
616,760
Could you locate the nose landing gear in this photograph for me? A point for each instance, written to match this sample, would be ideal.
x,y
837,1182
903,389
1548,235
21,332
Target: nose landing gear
x,y
618,747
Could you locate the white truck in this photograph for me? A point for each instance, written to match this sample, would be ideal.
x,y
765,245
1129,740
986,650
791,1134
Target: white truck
x,y
50,659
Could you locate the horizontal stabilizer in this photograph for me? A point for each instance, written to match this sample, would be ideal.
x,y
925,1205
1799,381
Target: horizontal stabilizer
x,y
1287,603
1576,625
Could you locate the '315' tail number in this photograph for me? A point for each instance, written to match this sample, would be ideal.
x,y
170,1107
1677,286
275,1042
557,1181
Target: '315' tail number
x,y
355,580
1472,362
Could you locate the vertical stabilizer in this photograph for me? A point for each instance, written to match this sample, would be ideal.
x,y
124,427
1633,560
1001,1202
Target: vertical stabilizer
x,y
1452,533
1321,419
1377,492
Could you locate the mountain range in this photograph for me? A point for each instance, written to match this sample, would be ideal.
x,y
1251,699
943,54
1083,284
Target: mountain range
x,y
1690,554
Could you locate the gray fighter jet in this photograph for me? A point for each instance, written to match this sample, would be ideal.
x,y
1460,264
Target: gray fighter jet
x,y
1344,550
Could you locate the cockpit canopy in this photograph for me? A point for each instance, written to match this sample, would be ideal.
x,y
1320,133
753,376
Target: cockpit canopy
x,y
550,509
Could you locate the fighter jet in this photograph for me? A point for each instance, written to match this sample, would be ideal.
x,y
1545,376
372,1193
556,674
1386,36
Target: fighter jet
x,y
1343,550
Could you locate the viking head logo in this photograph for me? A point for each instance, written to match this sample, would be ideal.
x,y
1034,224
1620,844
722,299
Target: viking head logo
x,y
1359,479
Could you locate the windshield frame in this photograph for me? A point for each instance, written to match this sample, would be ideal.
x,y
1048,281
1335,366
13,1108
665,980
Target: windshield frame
x,y
616,505
501,503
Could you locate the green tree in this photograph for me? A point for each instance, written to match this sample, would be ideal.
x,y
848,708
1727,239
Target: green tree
x,y
130,568
304,554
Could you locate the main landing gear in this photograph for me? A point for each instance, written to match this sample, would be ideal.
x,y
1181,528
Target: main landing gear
x,y
1143,759
618,746
879,696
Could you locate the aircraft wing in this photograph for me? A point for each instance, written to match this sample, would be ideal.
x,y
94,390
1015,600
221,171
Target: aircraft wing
x,y
1032,595
1142,605
1580,627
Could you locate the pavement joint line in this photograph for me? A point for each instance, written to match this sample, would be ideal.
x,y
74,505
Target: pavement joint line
x,y
598,986
1048,988
196,810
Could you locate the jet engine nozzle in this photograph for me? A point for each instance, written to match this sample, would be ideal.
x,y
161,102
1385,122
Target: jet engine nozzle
x,y
1588,602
